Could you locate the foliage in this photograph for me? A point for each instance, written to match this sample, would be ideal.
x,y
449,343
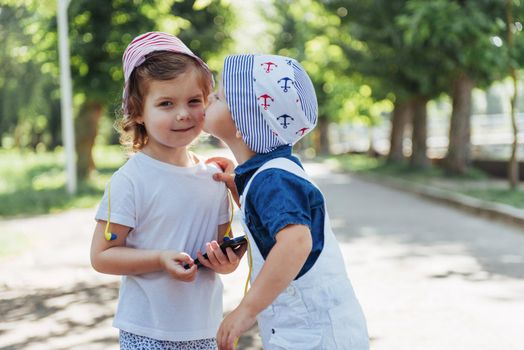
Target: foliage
x,y
99,32
306,31
396,69
462,35
29,97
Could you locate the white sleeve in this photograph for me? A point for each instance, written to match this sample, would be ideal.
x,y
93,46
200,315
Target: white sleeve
x,y
122,202
225,208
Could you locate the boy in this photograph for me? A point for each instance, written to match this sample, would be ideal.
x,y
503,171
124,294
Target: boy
x,y
300,293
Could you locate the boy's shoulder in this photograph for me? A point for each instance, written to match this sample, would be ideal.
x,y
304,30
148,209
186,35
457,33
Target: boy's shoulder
x,y
276,179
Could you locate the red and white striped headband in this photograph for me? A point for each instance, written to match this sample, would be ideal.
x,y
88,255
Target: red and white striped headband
x,y
136,52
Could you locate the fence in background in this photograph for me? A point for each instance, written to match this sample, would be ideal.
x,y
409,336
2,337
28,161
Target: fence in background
x,y
491,137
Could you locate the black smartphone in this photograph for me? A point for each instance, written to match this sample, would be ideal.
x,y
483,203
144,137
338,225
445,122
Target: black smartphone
x,y
234,243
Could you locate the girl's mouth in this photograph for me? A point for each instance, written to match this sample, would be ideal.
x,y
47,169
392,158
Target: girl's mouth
x,y
182,130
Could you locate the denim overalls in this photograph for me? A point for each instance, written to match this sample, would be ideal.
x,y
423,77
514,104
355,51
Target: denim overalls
x,y
319,310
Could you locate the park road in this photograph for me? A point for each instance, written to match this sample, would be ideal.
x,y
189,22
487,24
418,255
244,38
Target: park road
x,y
428,277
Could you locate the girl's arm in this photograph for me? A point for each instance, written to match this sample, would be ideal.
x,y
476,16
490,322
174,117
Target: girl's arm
x,y
282,265
113,257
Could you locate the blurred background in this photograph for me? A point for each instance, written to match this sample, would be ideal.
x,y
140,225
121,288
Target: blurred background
x,y
410,92
426,87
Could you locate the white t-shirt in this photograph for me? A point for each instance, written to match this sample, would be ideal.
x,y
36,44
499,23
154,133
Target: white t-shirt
x,y
171,208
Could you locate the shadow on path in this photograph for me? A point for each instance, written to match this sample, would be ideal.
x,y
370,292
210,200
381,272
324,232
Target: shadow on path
x,y
42,316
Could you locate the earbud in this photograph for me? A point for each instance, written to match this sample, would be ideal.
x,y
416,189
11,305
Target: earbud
x,y
110,236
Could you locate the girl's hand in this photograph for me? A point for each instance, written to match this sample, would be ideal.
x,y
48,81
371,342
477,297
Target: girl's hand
x,y
173,263
233,326
220,262
228,175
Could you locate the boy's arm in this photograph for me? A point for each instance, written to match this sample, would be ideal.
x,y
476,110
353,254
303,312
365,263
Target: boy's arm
x,y
282,265
113,257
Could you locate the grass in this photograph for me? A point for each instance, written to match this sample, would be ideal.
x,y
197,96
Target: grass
x,y
34,183
514,198
474,183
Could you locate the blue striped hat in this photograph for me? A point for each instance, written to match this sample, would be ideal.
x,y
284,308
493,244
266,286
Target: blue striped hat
x,y
271,98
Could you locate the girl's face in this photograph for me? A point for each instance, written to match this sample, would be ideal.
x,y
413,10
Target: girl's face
x,y
218,120
173,112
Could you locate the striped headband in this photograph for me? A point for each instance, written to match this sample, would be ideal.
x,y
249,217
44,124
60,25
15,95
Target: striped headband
x,y
271,98
136,52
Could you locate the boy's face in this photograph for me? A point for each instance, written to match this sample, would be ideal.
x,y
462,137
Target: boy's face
x,y
173,111
218,120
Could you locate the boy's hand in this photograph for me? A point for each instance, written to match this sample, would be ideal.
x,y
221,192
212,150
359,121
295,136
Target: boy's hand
x,y
228,175
220,262
233,326
173,263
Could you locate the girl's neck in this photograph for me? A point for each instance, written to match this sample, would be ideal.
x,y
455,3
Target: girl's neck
x,y
178,156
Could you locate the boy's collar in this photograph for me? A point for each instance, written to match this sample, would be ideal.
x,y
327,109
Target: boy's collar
x,y
258,159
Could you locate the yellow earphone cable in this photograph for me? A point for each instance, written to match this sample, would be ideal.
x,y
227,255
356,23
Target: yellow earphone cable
x,y
249,258
108,235
228,234
228,231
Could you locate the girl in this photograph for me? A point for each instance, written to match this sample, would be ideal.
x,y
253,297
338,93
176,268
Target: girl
x,y
162,206
300,294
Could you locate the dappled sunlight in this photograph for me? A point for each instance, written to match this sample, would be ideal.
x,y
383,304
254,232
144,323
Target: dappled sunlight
x,y
59,318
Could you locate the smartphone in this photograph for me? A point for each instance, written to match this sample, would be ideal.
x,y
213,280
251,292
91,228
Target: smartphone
x,y
233,243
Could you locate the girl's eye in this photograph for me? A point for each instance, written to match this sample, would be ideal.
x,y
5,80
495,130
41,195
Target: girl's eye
x,y
165,104
195,101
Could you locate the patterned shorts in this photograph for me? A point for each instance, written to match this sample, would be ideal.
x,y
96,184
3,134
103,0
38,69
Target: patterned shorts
x,y
129,341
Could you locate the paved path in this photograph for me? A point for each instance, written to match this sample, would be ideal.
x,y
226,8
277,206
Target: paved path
x,y
428,277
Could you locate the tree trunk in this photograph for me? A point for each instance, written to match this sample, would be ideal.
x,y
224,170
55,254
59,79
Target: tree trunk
x,y
54,125
323,137
513,166
86,131
419,157
458,157
402,113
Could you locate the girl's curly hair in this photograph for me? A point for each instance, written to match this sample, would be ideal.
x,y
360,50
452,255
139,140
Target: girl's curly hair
x,y
159,65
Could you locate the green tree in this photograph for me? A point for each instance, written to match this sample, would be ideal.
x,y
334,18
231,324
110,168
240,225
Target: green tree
x,y
515,44
100,31
29,97
404,71
459,34
306,31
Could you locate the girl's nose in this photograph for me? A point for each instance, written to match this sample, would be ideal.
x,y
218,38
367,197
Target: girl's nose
x,y
182,115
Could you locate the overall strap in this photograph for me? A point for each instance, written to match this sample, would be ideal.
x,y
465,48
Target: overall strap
x,y
278,163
